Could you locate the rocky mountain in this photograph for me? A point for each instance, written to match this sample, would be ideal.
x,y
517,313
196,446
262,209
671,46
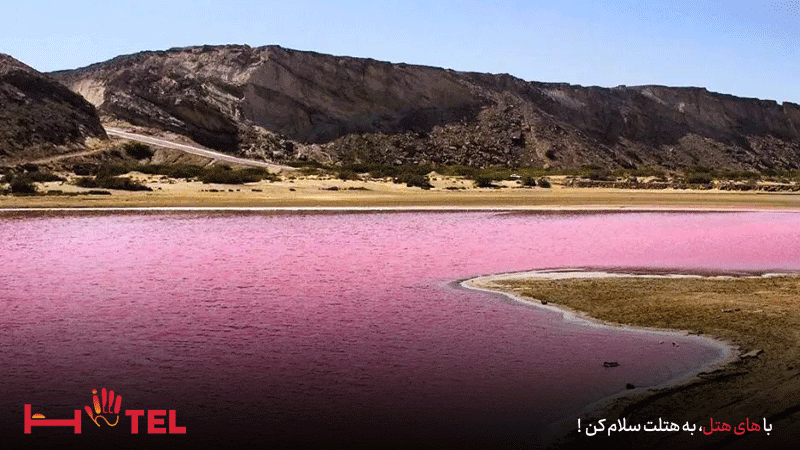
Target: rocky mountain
x,y
282,104
39,116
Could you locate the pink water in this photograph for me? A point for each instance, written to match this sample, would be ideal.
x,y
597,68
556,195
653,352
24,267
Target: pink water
x,y
304,328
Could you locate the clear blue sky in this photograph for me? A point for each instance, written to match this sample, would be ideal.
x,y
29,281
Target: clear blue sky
x,y
748,49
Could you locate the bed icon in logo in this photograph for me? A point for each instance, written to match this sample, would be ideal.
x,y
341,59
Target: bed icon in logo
x,y
107,404
38,420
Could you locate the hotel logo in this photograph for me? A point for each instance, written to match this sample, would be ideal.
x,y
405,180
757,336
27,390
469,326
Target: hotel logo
x,y
105,412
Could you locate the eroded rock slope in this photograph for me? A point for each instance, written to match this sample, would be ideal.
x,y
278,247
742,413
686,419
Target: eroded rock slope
x,y
281,104
39,116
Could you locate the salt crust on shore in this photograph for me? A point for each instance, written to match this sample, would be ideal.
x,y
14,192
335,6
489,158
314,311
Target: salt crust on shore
x,y
728,353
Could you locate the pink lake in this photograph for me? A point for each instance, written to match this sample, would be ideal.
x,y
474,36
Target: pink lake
x,y
319,328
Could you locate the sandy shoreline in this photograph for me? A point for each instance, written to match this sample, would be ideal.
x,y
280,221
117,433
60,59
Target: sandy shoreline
x,y
448,192
335,209
753,315
727,352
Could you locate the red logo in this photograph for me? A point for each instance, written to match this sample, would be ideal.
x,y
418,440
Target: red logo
x,y
108,403
38,420
106,408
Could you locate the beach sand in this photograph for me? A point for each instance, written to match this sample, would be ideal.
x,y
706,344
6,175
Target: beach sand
x,y
759,315
312,191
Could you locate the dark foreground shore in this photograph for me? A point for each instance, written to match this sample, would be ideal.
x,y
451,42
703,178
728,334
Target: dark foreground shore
x,y
757,314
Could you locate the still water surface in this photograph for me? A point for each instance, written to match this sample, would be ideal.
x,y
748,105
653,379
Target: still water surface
x,y
304,328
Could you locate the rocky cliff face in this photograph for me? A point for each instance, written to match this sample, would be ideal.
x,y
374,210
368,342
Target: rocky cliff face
x,y
282,104
39,116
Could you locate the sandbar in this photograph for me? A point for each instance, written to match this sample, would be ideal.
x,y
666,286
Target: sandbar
x,y
757,314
